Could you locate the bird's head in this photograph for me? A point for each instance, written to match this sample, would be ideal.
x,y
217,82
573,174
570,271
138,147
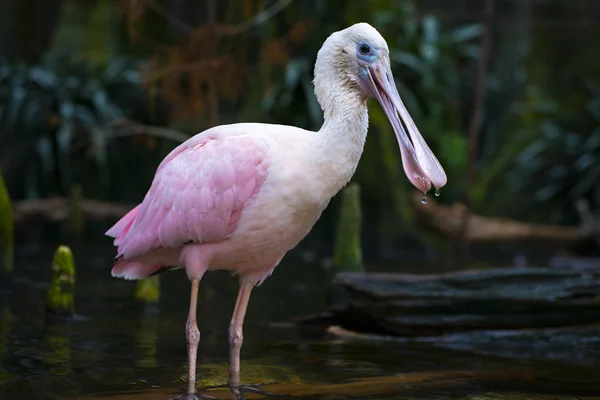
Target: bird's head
x,y
358,59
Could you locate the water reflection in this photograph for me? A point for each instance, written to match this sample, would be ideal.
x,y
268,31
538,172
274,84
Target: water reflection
x,y
6,319
57,349
121,349
147,337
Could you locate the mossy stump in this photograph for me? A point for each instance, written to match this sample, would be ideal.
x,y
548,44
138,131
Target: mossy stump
x,y
6,230
148,290
347,254
60,298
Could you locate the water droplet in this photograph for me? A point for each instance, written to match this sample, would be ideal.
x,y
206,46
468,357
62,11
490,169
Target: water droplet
x,y
437,192
424,199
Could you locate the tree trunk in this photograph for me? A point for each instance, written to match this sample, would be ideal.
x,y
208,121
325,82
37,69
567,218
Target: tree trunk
x,y
36,26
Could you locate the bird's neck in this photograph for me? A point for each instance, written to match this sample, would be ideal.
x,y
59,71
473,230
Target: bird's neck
x,y
339,143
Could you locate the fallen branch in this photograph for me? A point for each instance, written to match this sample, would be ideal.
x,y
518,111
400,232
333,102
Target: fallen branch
x,y
559,345
446,220
441,219
59,208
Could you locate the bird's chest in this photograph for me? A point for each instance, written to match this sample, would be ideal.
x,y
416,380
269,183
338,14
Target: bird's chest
x,y
282,214
293,204
289,203
271,225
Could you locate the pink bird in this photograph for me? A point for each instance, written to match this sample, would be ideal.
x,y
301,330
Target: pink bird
x,y
239,197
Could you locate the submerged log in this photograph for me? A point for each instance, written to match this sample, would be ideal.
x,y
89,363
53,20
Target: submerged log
x,y
575,263
495,299
574,345
552,344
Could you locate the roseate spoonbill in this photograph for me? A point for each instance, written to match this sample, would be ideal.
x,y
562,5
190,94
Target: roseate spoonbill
x,y
238,197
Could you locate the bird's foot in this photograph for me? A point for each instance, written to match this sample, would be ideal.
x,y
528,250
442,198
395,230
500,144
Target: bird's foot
x,y
193,396
240,390
251,389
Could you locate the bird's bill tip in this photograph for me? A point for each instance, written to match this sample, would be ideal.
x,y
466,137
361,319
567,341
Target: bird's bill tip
x,y
420,164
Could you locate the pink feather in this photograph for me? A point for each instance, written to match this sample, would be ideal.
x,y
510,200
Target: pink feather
x,y
198,194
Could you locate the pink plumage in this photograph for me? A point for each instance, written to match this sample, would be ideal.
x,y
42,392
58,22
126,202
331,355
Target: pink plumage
x,y
239,197
197,196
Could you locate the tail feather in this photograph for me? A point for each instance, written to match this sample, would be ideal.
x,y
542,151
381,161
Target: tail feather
x,y
134,270
149,264
122,226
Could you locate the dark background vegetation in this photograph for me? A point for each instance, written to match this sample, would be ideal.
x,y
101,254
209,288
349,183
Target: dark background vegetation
x,y
96,92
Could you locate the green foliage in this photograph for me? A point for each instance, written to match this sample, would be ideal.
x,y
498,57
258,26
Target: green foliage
x,y
264,72
432,65
47,109
86,29
519,126
562,164
294,91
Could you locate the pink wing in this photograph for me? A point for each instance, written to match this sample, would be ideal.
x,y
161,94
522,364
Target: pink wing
x,y
197,195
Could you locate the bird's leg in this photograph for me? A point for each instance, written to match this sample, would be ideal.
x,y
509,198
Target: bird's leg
x,y
193,337
236,336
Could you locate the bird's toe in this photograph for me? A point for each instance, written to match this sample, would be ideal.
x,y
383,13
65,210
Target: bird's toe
x,y
255,389
193,396
251,389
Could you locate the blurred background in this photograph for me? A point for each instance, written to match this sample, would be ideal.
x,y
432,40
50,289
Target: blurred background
x,y
94,93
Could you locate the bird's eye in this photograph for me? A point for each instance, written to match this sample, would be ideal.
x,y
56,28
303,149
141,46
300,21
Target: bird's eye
x,y
364,48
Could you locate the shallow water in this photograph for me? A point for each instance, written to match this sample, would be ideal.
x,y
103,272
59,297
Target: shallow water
x,y
117,348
